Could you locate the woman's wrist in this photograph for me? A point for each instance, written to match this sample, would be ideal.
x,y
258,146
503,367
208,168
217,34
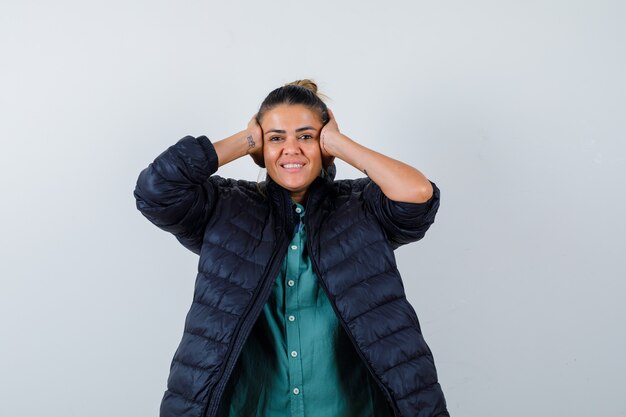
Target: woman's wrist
x,y
339,145
232,147
253,141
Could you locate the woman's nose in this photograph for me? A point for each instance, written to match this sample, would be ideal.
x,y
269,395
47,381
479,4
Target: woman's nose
x,y
292,146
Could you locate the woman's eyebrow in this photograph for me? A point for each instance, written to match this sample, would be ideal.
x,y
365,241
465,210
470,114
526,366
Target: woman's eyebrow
x,y
300,129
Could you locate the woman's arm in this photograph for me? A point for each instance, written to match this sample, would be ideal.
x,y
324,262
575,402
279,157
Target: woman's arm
x,y
398,181
248,141
175,191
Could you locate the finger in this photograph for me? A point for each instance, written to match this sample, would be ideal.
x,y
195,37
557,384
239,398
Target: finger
x,y
331,119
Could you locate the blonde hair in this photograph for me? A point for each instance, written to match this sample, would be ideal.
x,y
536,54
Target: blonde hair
x,y
309,85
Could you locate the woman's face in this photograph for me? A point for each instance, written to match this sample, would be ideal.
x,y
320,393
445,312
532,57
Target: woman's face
x,y
291,147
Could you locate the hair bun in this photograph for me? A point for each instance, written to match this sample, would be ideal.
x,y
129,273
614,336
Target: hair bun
x,y
308,84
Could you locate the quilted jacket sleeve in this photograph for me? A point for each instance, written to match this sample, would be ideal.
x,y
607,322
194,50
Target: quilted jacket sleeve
x,y
403,222
174,191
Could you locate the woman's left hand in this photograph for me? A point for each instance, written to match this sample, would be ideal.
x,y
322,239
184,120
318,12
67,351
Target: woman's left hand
x,y
329,136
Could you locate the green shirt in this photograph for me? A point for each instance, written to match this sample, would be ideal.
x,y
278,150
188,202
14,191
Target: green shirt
x,y
298,360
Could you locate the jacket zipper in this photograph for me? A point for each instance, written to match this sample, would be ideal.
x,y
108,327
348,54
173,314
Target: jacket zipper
x,y
244,327
382,386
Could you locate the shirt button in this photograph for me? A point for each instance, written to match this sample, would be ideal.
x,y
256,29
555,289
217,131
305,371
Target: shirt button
x,y
298,210
290,283
294,247
296,391
292,318
294,353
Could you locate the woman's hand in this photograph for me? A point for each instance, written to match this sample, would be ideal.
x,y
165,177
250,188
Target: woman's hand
x,y
329,135
255,142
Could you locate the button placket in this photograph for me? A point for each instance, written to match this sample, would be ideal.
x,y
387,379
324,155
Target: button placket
x,y
294,260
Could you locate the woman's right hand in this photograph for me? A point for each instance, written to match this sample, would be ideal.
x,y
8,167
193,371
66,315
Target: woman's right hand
x,y
255,142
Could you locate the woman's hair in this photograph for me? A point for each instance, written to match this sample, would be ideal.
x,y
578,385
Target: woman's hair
x,y
303,92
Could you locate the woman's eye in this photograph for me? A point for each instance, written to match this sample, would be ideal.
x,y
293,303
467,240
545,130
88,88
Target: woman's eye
x,y
275,138
306,137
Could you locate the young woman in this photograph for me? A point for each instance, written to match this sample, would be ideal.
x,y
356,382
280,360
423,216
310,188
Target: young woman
x,y
299,309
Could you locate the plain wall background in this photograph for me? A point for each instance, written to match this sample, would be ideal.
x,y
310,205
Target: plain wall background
x,y
516,110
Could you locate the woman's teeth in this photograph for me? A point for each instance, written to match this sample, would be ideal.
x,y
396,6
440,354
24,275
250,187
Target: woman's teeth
x,y
292,166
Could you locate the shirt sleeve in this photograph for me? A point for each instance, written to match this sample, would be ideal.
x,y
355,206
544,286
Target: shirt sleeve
x,y
174,192
402,222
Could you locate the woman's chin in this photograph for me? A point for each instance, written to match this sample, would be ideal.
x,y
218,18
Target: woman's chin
x,y
292,184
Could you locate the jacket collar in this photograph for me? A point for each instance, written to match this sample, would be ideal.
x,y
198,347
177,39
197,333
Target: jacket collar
x,y
280,198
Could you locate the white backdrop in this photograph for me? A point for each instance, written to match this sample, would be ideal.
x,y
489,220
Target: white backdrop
x,y
516,110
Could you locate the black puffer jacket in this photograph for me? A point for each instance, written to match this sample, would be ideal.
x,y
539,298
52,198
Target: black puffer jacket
x,y
241,232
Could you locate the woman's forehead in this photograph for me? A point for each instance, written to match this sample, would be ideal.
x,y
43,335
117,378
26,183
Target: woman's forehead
x,y
291,118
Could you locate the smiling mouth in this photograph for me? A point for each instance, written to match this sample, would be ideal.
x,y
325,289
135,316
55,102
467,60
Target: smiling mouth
x,y
292,166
